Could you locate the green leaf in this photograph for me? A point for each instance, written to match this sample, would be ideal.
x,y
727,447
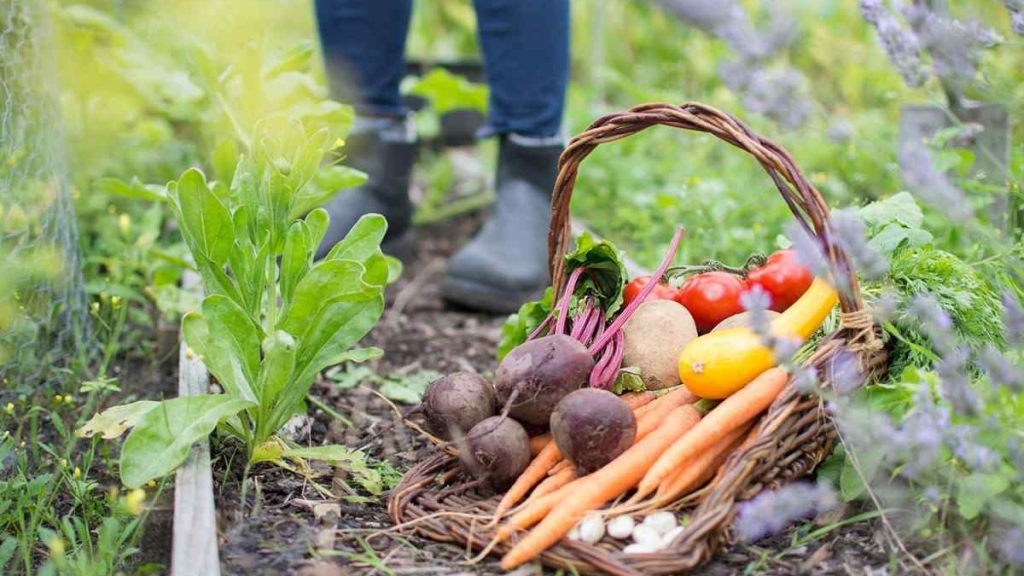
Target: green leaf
x,y
133,189
870,459
900,207
446,92
362,241
236,334
976,490
278,365
325,184
395,268
296,258
307,161
114,421
353,461
326,282
224,159
353,376
218,356
606,275
408,389
317,222
519,326
7,552
895,236
205,222
160,441
629,380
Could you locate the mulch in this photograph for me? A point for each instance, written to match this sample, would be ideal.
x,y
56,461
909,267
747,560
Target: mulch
x,y
290,528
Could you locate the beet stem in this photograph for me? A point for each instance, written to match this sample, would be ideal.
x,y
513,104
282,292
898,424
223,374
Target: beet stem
x,y
621,320
579,324
563,311
540,329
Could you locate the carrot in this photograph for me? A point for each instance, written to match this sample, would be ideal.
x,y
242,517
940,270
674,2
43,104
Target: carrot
x,y
534,473
601,486
703,468
665,403
559,467
535,510
554,481
732,413
636,400
537,443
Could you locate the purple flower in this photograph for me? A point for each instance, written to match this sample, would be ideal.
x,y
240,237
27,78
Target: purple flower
x,y
1013,316
953,45
805,380
845,373
1011,545
900,44
963,442
771,512
885,307
808,249
1000,370
851,235
935,322
930,184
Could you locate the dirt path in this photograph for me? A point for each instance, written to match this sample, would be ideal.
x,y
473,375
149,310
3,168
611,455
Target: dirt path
x,y
289,520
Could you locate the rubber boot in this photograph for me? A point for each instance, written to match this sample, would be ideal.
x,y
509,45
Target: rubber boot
x,y
505,265
386,151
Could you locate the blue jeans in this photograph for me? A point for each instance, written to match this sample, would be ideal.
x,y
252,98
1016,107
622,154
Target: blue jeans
x,y
526,53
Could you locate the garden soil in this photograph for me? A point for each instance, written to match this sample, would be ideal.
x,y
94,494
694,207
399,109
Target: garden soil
x,y
292,528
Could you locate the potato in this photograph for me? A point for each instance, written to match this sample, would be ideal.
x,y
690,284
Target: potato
x,y
741,320
655,336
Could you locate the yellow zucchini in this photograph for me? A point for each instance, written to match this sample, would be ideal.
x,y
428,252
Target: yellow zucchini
x,y
718,364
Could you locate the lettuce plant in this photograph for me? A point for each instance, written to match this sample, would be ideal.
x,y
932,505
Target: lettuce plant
x,y
272,317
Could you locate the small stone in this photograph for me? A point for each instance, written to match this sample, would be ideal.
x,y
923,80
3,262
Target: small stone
x,y
621,527
574,534
639,549
672,535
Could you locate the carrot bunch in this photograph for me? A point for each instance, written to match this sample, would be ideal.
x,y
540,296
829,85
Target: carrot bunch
x,y
679,446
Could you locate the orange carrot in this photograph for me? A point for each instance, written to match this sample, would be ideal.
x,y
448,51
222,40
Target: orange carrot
x,y
665,403
703,468
535,510
554,481
534,473
601,486
732,413
537,443
636,400
560,466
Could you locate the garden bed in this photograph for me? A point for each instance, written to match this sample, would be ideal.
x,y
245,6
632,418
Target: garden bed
x,y
294,530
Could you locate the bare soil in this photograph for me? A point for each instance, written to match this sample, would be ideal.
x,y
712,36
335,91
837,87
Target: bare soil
x,y
291,528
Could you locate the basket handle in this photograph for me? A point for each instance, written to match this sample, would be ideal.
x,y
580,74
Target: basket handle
x,y
803,198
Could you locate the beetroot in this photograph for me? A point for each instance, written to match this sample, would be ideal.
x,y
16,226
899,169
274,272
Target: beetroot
x,y
537,374
591,427
497,450
457,402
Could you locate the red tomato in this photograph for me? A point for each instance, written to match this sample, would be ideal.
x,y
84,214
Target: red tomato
x,y
783,278
711,297
660,292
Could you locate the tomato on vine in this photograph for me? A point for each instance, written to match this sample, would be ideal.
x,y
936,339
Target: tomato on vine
x,y
711,297
783,278
660,292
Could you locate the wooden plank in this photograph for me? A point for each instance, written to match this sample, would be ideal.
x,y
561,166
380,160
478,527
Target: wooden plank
x,y
194,546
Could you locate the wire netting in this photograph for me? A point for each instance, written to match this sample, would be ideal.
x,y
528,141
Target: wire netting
x,y
43,309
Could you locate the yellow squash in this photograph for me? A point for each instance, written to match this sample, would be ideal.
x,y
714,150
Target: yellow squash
x,y
720,363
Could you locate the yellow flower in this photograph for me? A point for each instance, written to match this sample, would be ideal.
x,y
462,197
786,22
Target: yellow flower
x,y
94,307
152,484
189,353
69,399
112,209
338,143
134,501
22,445
124,222
56,547
115,301
62,463
77,474
9,408
58,398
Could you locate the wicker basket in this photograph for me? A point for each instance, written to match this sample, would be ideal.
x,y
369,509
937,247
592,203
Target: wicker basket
x,y
793,437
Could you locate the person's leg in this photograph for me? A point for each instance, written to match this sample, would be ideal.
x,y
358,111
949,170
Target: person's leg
x,y
363,45
526,50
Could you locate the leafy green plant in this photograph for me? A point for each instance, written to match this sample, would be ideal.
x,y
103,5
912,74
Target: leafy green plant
x,y
272,318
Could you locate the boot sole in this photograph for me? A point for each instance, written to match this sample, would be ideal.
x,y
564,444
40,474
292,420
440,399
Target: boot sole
x,y
483,297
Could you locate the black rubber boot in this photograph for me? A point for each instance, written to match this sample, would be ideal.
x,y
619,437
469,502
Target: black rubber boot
x,y
505,265
386,155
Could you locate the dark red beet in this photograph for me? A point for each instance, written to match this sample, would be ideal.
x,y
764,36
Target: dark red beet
x,y
591,427
541,372
457,401
498,451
